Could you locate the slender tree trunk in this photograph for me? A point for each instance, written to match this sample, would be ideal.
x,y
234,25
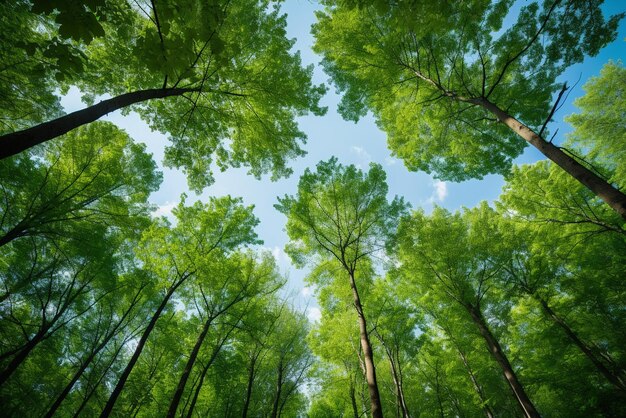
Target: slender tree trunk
x,y
10,235
279,387
214,354
196,393
477,387
19,358
355,408
142,342
90,392
397,380
438,390
493,345
370,371
600,187
57,403
616,377
187,371
251,374
16,142
91,356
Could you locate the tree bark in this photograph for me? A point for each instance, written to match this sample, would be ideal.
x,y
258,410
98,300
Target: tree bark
x,y
493,345
214,354
614,377
397,378
94,352
57,403
370,370
600,187
19,358
279,387
89,392
477,387
187,371
16,142
355,408
108,408
251,375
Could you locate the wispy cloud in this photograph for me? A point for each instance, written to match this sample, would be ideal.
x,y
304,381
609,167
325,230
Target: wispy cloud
x,y
314,314
439,193
389,161
364,157
306,291
441,190
282,259
165,210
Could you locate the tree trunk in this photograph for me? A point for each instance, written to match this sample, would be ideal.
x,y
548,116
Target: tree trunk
x,y
279,387
91,356
108,408
616,378
16,142
77,375
187,371
370,371
397,379
214,354
477,387
12,234
89,392
355,408
493,345
19,358
600,187
251,374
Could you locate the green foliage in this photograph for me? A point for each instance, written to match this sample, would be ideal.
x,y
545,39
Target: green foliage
x,y
599,128
340,212
424,68
243,86
94,175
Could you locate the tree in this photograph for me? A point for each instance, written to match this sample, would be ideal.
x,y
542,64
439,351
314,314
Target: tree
x,y
394,327
457,94
94,175
178,255
598,127
452,257
231,283
342,214
227,85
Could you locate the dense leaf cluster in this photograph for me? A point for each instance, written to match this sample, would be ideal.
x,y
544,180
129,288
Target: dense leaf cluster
x,y
515,308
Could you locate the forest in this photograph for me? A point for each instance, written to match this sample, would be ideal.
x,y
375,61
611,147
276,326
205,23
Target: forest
x,y
511,308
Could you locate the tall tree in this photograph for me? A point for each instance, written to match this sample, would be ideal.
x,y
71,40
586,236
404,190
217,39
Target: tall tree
x,y
227,84
342,214
457,94
179,254
451,256
230,284
94,175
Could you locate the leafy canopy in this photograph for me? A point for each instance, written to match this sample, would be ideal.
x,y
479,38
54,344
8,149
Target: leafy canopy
x,y
422,68
241,87
340,212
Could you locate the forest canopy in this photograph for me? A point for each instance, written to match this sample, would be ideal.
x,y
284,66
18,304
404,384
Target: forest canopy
x,y
512,307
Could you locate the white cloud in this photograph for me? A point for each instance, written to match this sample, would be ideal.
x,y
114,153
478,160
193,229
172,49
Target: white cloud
x,y
276,252
363,155
439,193
282,260
165,210
306,291
314,314
389,161
441,190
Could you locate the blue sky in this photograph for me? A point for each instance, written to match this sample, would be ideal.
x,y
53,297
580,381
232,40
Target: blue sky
x,y
358,144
